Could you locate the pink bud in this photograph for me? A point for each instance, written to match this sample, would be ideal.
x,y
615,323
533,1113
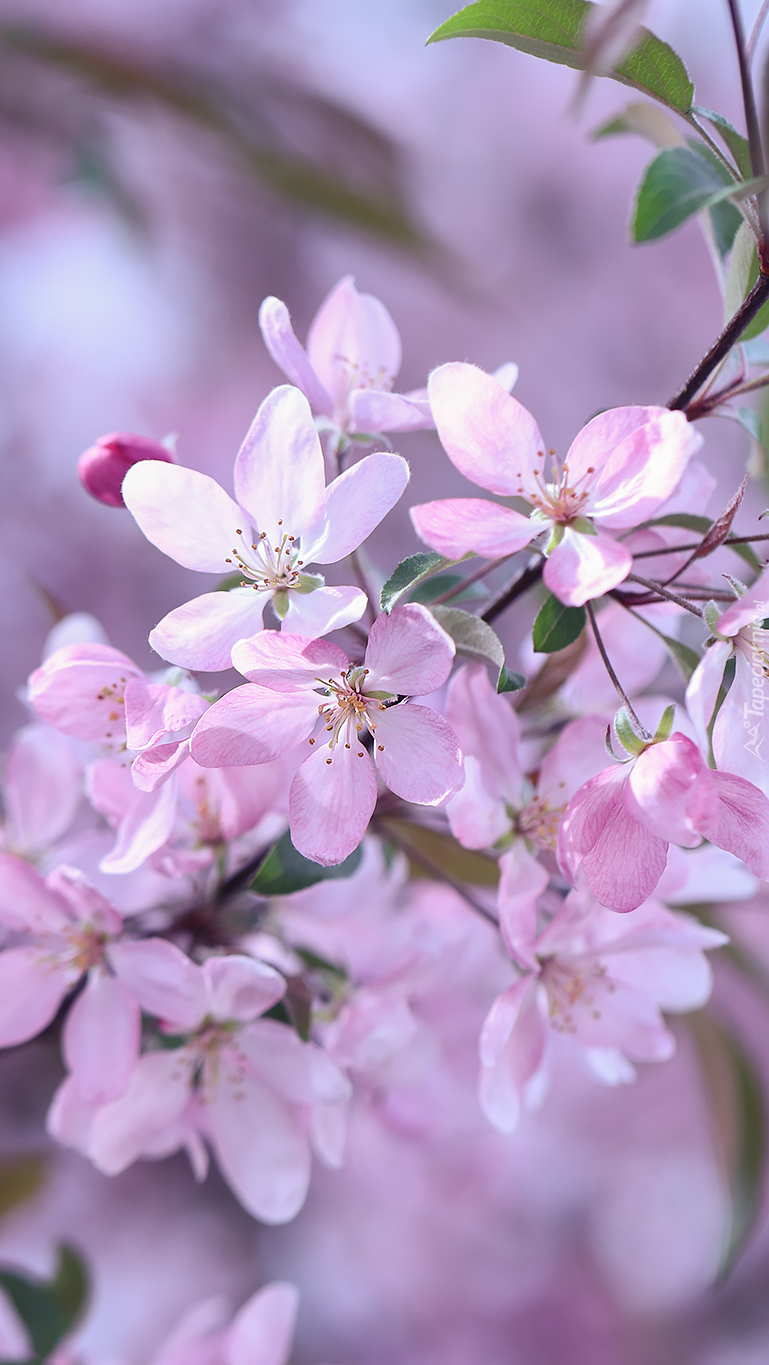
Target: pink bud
x,y
102,468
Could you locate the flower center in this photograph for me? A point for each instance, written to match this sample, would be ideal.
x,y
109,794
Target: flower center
x,y
540,822
268,567
346,713
568,984
558,500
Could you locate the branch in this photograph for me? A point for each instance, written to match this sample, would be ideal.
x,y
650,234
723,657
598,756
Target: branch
x,y
723,344
524,580
748,96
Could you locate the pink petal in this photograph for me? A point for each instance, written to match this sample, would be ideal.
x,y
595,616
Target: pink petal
x,y
163,979
279,472
638,467
262,1332
514,1043
32,986
80,690
86,903
477,815
459,526
144,828
289,355
671,791
622,861
488,435
742,822
750,608
156,713
100,1038
607,1013
522,880
739,732
241,988
317,613
25,900
353,343
252,724
155,766
185,514
42,789
356,502
487,728
154,1102
331,803
200,634
287,662
235,799
417,754
583,567
262,1151
578,754
69,1116
408,653
371,410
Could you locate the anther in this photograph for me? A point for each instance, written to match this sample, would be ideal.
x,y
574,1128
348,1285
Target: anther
x,y
238,531
328,760
380,747
312,741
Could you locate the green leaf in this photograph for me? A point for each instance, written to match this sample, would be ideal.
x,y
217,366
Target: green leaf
x,y
20,1178
49,1309
475,639
463,864
407,575
737,144
427,591
557,626
552,30
676,184
690,521
647,121
727,221
740,278
739,1119
284,870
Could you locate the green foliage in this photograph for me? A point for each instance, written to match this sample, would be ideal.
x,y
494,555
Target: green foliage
x,y
677,183
737,144
442,852
427,591
689,521
557,626
20,1178
552,30
283,870
475,639
408,573
49,1309
740,278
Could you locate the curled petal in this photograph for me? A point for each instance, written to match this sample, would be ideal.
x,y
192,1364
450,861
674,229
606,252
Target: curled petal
x,y
290,355
672,792
583,567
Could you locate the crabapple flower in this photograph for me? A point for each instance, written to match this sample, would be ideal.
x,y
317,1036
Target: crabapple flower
x,y
617,829
261,1332
307,690
284,519
601,982
42,789
102,468
247,1085
739,732
618,472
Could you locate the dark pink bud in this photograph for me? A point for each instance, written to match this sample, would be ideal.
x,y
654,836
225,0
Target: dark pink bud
x,y
102,468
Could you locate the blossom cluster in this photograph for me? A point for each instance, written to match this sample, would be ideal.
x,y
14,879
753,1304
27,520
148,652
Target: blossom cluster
x,y
244,910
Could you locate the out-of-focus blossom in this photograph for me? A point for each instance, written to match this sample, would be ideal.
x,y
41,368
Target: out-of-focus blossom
x,y
619,470
300,689
42,789
102,468
284,519
261,1332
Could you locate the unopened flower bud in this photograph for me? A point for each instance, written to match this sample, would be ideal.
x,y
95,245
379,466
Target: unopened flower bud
x,y
102,468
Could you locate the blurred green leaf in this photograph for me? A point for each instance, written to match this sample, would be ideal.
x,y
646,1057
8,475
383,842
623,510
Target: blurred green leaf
x,y
284,870
727,221
684,657
49,1309
552,29
740,278
676,184
737,144
20,1178
443,852
557,626
647,121
475,639
691,522
427,591
738,1111
409,572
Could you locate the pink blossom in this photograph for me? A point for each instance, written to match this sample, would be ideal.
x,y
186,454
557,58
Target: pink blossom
x,y
249,1086
619,471
284,519
617,828
261,1332
42,789
601,982
102,468
302,690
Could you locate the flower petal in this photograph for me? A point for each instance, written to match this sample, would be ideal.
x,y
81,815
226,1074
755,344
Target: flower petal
x,y
287,663
80,690
514,1047
408,653
252,724
488,728
356,502
316,613
750,609
31,990
639,455
331,801
459,526
522,880
671,791
42,788
155,1100
280,476
185,514
262,1332
372,410
25,900
353,343
583,567
241,988
100,1038
417,754
622,861
741,825
144,828
163,979
262,1151
485,432
200,634
289,355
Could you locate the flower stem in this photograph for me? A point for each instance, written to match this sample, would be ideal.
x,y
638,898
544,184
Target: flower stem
x,y
723,344
643,732
508,594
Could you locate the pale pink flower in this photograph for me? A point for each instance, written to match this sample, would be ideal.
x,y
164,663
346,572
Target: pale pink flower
x,y
261,1332
739,734
284,519
618,472
302,690
600,981
249,1086
42,789
617,828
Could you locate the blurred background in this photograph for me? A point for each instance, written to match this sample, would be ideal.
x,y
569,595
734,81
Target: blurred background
x,y
164,165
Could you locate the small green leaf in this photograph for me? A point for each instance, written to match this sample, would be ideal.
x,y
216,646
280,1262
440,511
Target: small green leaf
x,y
408,573
737,144
647,121
676,184
742,274
463,864
690,521
49,1309
552,30
430,588
475,639
20,1179
556,626
284,870
626,733
727,221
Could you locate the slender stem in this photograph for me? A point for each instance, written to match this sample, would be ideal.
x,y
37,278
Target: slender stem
x,y
519,585
748,95
755,32
723,344
662,592
473,578
643,732
703,407
435,870
714,147
694,545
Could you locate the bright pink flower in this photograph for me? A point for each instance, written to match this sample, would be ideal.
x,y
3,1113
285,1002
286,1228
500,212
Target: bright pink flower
x,y
284,519
298,689
617,828
249,1086
261,1332
600,981
619,471
102,468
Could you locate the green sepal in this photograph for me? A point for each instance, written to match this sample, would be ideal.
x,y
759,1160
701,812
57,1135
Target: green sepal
x,y
626,734
280,604
665,728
